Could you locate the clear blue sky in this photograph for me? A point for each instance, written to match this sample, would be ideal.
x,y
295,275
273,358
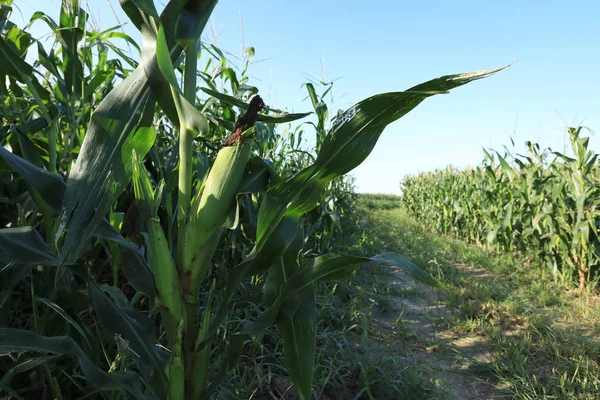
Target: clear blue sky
x,y
397,44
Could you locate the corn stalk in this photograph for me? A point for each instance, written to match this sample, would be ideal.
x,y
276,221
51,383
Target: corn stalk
x,y
545,209
173,271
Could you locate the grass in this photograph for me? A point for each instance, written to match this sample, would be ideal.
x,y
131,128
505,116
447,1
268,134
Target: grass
x,y
372,201
540,335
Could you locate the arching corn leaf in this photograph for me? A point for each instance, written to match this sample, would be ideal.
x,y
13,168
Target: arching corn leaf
x,y
133,330
25,246
279,118
347,145
18,340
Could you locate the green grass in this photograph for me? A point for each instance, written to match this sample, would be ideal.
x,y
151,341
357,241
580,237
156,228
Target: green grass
x,y
379,201
542,335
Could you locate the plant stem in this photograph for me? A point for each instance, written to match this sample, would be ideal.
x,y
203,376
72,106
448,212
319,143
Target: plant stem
x,y
46,115
185,191
191,67
185,153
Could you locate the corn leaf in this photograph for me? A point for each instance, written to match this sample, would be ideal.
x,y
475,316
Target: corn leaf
x,y
298,331
18,340
21,367
51,188
279,118
191,21
25,246
134,265
135,331
12,275
66,317
196,19
160,53
299,343
185,111
350,141
347,145
71,27
49,185
103,167
13,65
135,11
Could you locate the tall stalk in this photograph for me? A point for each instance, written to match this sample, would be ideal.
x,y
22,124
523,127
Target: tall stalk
x,y
186,136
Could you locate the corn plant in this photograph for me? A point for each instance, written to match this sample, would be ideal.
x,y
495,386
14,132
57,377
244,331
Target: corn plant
x,y
545,208
161,321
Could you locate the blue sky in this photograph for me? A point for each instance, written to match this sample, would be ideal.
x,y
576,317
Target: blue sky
x,y
398,44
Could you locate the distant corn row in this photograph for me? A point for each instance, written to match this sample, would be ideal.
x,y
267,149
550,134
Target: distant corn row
x,y
379,201
544,205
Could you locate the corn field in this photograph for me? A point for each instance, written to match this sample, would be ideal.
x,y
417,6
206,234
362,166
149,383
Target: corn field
x,y
544,205
144,193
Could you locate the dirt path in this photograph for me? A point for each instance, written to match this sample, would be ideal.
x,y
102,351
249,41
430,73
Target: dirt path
x,y
501,329
458,361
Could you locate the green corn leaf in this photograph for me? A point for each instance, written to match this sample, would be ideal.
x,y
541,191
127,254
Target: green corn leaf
x,y
258,260
506,168
49,185
347,145
66,317
135,12
25,246
93,85
331,267
312,93
256,177
197,19
147,6
28,128
162,50
299,343
112,33
166,279
142,188
187,115
16,274
17,340
72,25
297,286
163,56
24,366
133,330
103,167
133,264
191,21
340,266
298,331
50,63
328,267
51,188
279,118
13,65
409,267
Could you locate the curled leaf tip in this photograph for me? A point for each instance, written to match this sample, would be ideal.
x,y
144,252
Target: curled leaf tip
x,y
480,74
